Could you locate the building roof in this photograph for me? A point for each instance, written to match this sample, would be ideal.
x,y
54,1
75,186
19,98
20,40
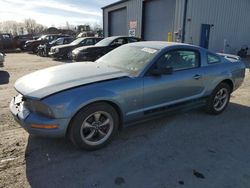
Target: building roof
x,y
115,3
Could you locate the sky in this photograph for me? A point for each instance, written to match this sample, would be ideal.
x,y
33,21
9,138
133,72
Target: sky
x,y
54,12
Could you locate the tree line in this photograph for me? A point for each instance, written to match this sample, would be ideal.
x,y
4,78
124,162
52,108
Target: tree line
x,y
28,26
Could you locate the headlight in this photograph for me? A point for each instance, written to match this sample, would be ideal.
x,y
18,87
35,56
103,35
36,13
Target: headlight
x,y
56,50
38,107
75,51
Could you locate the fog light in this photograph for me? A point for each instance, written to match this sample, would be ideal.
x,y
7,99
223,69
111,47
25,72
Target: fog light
x,y
44,126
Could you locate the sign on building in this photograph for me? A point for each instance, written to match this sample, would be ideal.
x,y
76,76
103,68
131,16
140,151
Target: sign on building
x,y
131,33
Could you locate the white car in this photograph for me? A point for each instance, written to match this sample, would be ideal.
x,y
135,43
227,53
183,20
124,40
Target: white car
x,y
1,59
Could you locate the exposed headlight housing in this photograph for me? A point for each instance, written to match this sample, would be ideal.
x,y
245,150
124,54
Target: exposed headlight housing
x,y
56,50
38,107
75,51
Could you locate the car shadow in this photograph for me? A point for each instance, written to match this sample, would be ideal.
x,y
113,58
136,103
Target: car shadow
x,y
4,77
161,153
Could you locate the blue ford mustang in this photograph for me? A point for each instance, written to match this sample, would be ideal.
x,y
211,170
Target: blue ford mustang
x,y
89,101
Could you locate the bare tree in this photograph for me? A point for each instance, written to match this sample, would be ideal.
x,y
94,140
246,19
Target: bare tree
x,y
12,27
96,27
30,25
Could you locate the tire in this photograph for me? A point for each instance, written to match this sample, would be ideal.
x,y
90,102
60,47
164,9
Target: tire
x,y
94,126
69,55
219,99
22,48
34,50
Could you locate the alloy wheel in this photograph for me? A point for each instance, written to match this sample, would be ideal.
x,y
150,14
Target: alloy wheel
x,y
220,99
97,128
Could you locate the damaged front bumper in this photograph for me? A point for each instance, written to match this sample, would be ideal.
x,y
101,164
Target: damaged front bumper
x,y
36,124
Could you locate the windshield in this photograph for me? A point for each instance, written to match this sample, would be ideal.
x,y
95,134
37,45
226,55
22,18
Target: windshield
x,y
77,41
42,37
57,41
54,41
132,59
104,42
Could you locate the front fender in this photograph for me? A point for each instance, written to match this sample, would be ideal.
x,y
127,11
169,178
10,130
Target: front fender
x,y
67,103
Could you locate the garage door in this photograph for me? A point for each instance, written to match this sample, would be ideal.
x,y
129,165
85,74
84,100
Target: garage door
x,y
158,19
118,22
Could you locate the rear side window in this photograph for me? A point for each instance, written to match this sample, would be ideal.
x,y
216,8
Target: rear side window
x,y
89,41
132,40
212,59
6,36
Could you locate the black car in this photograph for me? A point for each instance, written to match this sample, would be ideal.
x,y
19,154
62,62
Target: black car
x,y
21,40
31,45
92,53
44,49
65,51
6,42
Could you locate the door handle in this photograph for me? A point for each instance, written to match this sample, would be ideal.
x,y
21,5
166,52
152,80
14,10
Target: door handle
x,y
197,77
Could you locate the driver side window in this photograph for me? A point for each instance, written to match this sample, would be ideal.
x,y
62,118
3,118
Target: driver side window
x,y
180,60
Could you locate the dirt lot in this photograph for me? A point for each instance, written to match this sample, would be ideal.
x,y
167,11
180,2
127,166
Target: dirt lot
x,y
190,149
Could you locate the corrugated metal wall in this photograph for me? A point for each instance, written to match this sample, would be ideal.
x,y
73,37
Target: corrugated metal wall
x,y
178,21
229,17
158,19
134,13
118,22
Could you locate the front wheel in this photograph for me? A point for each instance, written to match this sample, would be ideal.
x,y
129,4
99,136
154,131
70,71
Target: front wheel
x,y
69,55
94,126
219,99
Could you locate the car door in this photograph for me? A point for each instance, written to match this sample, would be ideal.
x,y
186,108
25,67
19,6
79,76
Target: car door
x,y
183,84
7,41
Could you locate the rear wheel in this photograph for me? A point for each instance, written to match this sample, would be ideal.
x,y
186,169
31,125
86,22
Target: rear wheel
x,y
94,126
219,99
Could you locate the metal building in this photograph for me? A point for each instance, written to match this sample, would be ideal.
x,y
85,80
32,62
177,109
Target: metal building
x,y
214,24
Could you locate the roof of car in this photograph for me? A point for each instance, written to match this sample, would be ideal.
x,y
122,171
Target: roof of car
x,y
159,44
121,36
89,37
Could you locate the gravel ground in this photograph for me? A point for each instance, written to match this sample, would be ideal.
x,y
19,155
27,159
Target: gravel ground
x,y
189,149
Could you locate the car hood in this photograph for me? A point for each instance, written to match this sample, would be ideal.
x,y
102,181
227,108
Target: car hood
x,y
64,46
32,41
48,81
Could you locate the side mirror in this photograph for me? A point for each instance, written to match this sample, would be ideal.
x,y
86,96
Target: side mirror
x,y
161,71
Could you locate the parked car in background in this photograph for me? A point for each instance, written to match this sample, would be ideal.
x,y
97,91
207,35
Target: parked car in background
x,y
7,42
1,60
92,53
20,40
44,49
65,51
90,101
86,34
31,45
